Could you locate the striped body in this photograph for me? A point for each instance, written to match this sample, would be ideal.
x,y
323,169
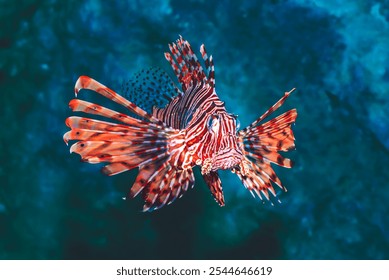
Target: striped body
x,y
194,128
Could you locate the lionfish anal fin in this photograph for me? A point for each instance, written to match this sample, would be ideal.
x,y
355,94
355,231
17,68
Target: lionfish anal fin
x,y
213,181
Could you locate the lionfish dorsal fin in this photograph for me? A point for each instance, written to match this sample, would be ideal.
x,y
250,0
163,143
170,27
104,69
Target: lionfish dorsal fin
x,y
187,67
198,85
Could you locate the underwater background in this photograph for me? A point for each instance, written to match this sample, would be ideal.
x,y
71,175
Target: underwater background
x,y
336,53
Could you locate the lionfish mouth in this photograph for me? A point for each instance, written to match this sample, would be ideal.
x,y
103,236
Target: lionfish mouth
x,y
226,159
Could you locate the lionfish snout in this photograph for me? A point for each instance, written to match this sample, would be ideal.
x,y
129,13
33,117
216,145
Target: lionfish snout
x,y
226,159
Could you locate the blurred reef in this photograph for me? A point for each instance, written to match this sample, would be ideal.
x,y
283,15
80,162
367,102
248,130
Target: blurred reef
x,y
336,53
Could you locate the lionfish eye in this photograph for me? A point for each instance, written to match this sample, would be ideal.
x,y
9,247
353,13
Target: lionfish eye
x,y
209,123
211,120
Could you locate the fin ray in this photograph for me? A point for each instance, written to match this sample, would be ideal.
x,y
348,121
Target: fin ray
x,y
85,82
261,144
273,108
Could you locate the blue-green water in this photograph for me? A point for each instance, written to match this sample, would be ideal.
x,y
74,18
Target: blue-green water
x,y
336,54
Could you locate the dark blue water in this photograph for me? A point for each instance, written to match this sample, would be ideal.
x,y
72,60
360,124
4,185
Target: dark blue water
x,y
52,206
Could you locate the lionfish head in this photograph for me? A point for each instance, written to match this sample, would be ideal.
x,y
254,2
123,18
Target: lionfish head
x,y
223,149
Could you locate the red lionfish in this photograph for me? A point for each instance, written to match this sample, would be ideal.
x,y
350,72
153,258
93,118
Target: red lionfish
x,y
187,126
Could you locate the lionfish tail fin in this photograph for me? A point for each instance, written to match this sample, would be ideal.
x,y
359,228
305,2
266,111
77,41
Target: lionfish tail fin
x,y
186,65
262,144
126,144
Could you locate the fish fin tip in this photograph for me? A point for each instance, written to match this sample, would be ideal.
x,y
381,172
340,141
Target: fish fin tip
x,y
66,138
146,209
292,90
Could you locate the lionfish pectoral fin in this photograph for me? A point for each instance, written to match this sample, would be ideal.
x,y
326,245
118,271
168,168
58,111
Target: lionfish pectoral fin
x,y
85,82
255,179
128,143
213,181
161,185
278,104
164,180
261,146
